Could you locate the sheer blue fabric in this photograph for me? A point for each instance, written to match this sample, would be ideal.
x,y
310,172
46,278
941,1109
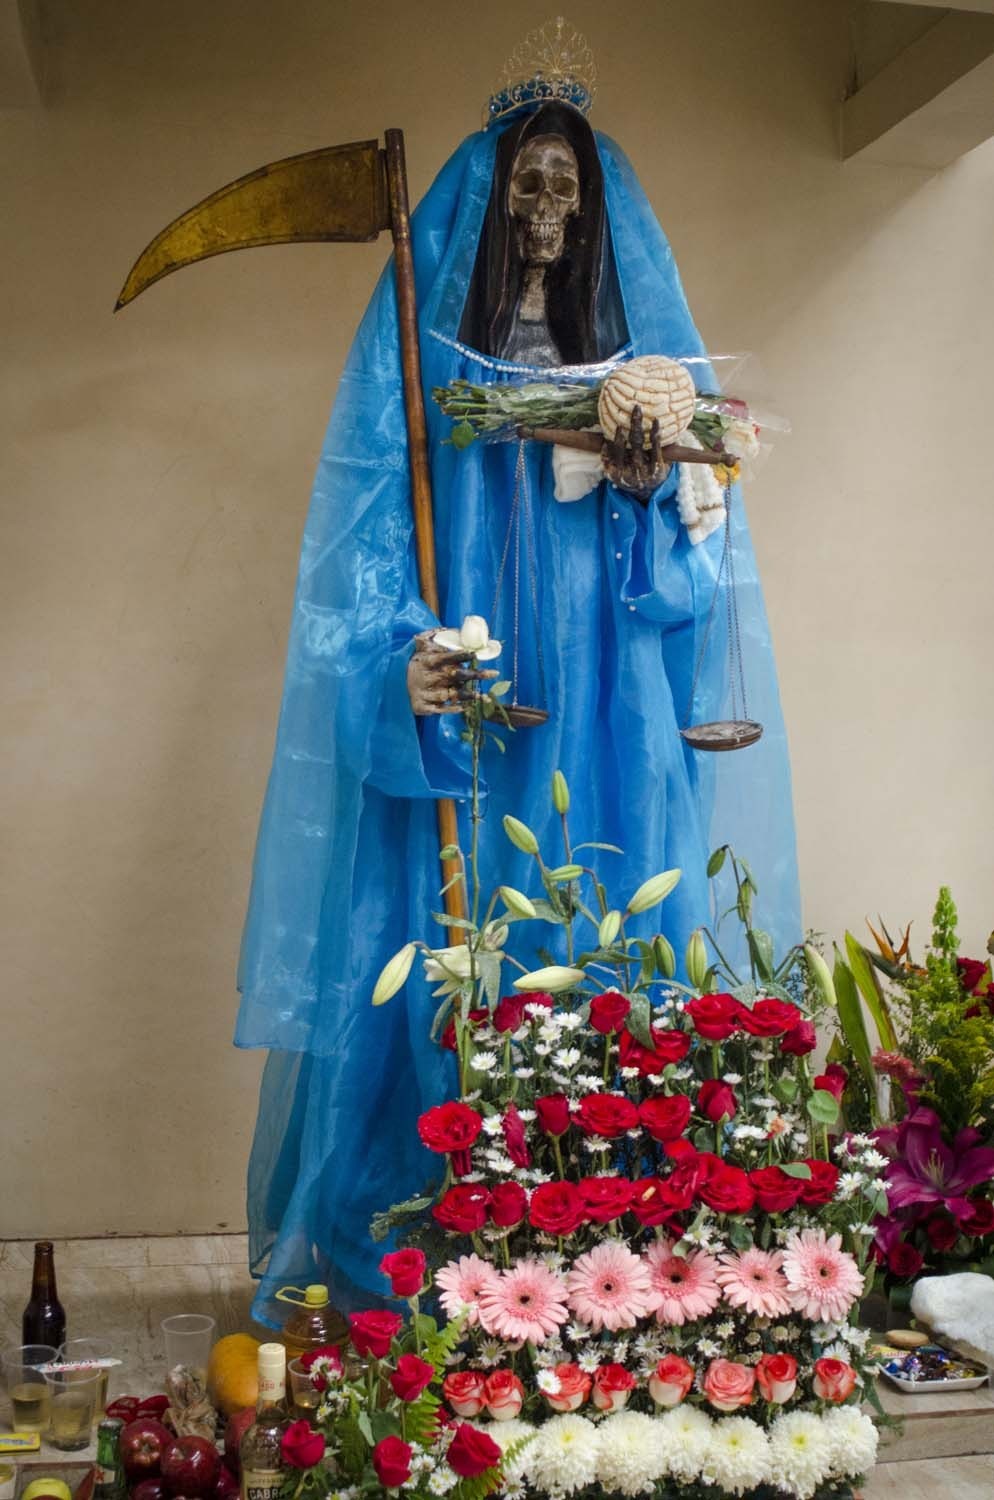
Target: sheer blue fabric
x,y
346,865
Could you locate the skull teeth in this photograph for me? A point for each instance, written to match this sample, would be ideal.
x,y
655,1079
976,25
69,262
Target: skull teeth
x,y
544,229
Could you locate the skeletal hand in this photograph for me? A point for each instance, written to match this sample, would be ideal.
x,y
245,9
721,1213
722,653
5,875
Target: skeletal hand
x,y
437,680
629,464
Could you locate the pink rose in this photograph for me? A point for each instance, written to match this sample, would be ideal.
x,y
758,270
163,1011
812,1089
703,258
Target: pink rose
x,y
613,1385
729,1385
671,1380
503,1395
776,1375
834,1380
574,1388
465,1391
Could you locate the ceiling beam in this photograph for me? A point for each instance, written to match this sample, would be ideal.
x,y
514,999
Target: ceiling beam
x,y
932,103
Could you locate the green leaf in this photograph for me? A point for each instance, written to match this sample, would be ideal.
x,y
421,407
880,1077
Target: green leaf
x,y
444,920
745,992
440,1016
740,1234
704,1138
872,992
639,1020
488,967
384,1424
366,1427
785,1089
796,1169
853,1025
499,689
714,867
546,911
462,435
823,1107
761,951
608,848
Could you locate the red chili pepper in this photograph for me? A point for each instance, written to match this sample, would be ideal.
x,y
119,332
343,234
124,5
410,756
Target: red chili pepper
x,y
153,1406
125,1407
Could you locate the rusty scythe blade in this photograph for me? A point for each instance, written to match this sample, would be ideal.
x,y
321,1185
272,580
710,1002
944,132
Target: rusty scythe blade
x,y
334,193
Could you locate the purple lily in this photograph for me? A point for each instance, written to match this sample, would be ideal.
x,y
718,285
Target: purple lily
x,y
925,1171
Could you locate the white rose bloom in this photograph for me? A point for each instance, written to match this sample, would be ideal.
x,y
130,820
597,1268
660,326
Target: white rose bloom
x,y
800,1453
473,637
853,1439
563,1457
738,1458
630,1457
685,1436
741,440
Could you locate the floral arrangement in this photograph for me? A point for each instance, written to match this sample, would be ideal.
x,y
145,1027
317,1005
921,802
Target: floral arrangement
x,y
930,1080
649,1241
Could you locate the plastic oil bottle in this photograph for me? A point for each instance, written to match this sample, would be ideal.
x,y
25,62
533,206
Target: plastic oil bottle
x,y
313,1323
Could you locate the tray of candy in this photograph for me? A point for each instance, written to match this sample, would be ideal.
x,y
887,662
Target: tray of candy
x,y
932,1368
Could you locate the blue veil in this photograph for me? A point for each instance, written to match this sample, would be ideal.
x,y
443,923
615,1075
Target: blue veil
x,y
346,865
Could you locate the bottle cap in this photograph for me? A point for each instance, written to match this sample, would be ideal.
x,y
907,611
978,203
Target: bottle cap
x,y
272,1359
316,1295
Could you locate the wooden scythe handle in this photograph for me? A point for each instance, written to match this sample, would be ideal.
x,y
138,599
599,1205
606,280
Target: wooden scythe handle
x,y
417,451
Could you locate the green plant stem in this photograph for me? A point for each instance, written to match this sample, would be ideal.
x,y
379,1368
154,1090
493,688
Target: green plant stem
x,y
557,1153
729,971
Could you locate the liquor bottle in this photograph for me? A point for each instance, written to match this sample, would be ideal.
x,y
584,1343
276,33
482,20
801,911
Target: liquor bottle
x,y
110,1483
260,1450
44,1320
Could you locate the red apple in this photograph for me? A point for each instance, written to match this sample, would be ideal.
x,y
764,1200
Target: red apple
x,y
190,1467
238,1425
149,1489
226,1486
143,1442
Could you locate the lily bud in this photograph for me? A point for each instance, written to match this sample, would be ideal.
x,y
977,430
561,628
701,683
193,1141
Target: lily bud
x,y
696,960
566,872
520,835
560,792
664,955
516,902
654,890
821,976
549,980
609,929
394,974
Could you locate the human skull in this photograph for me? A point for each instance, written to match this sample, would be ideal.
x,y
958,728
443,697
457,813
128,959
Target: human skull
x,y
544,192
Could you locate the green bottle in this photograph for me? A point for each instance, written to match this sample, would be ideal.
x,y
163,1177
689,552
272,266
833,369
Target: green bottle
x,y
111,1484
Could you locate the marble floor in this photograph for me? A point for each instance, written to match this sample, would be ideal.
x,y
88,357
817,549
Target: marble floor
x,y
123,1288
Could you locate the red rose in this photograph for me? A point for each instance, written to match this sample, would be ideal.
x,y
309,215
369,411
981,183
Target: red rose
x,y
834,1380
574,1388
942,1231
411,1377
448,1037
607,1011
464,1208
301,1446
471,1452
980,1219
465,1391
613,1385
406,1269
776,1376
392,1462
330,1352
820,1186
503,1395
728,1385
649,1205
665,1118
514,1137
682,1150
768,1017
904,1260
509,1013
606,1115
667,1047
508,1204
556,1207
715,1017
800,1039
671,1380
717,1100
451,1128
971,972
373,1332
776,1192
553,1114
725,1189
606,1198
833,1080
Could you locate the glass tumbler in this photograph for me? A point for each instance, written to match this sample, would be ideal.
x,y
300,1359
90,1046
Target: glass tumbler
x,y
81,1351
188,1338
72,1401
27,1388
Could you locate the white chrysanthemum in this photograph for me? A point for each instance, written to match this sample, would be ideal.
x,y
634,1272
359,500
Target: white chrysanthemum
x,y
506,1435
563,1457
443,1480
854,1441
630,1456
738,1458
800,1453
685,1436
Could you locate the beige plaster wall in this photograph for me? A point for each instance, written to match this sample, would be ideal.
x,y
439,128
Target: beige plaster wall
x,y
156,469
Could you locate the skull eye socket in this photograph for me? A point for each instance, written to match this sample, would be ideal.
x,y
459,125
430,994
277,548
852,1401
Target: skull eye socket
x,y
529,182
563,187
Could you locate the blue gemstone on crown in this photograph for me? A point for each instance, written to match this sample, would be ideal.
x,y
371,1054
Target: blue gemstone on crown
x,y
539,90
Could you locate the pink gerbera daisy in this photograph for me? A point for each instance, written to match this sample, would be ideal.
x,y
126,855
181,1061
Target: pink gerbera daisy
x,y
823,1280
528,1301
461,1282
753,1280
685,1286
609,1287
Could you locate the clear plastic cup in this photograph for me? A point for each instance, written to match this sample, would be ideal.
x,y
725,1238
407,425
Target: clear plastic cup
x,y
188,1338
304,1396
73,1399
27,1389
80,1351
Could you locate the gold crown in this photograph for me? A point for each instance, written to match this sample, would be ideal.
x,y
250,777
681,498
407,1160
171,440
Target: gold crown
x,y
553,62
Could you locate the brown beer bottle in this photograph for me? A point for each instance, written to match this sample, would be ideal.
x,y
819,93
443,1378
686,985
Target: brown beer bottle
x,y
44,1320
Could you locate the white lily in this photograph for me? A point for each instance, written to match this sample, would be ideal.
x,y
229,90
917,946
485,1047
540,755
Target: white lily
x,y
472,637
450,968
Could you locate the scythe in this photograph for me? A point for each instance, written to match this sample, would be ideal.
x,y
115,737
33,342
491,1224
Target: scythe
x,y
349,192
